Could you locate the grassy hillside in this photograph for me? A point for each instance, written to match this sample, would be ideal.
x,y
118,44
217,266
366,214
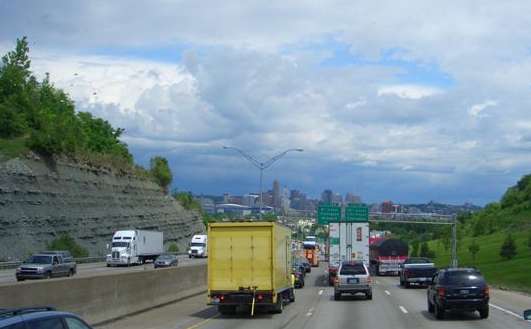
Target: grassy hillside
x,y
514,274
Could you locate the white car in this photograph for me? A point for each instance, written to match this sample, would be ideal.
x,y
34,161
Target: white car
x,y
352,277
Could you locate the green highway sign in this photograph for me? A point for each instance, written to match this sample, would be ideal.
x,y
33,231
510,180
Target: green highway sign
x,y
327,213
356,213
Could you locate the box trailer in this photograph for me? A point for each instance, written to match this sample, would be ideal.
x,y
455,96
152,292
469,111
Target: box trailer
x,y
249,264
347,241
135,247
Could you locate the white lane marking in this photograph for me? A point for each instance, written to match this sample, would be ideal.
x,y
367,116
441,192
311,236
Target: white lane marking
x,y
387,292
310,312
506,311
403,309
320,292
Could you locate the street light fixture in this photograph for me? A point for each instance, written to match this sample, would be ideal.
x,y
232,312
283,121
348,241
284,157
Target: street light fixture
x,y
261,165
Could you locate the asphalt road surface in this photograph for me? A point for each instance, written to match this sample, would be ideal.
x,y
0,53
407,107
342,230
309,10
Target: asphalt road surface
x,y
92,269
392,307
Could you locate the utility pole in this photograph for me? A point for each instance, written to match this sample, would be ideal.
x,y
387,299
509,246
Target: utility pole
x,y
261,166
454,244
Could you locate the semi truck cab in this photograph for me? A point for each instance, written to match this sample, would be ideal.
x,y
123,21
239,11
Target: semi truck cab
x,y
198,246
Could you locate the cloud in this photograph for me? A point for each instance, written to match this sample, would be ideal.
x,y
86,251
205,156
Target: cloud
x,y
184,80
408,91
476,110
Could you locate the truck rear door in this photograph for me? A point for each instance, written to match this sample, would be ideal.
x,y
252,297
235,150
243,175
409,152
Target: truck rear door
x,y
240,258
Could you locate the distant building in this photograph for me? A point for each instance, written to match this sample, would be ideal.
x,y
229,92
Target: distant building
x,y
207,205
233,209
251,200
337,198
351,198
387,207
276,194
267,198
327,196
226,197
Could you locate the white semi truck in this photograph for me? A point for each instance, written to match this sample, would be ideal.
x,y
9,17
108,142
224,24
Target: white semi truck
x,y
198,246
134,247
348,242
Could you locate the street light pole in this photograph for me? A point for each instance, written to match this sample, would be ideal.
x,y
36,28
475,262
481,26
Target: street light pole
x,y
261,166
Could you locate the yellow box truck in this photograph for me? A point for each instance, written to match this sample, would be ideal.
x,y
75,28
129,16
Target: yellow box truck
x,y
249,263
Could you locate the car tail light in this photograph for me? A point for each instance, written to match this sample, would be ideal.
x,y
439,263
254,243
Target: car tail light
x,y
336,280
221,298
441,292
369,279
486,291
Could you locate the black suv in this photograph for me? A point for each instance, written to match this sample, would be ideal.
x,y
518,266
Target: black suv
x,y
39,318
462,289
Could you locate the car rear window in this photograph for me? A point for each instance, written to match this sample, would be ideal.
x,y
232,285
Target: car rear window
x,y
463,278
352,269
49,323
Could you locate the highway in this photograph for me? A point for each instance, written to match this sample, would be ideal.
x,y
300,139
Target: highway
x,y
314,308
92,269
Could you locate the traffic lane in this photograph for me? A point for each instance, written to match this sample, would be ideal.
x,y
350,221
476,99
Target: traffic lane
x,y
193,313
93,269
513,301
356,311
414,301
295,315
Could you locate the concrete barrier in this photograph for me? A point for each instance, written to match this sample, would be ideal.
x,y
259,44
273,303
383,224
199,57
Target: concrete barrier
x,y
103,298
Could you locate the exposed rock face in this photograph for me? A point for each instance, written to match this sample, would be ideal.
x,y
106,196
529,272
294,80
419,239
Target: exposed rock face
x,y
39,201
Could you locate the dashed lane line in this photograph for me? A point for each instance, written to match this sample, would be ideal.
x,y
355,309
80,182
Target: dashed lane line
x,y
387,292
403,309
321,292
199,324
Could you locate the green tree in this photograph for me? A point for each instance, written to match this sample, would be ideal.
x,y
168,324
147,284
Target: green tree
x,y
425,251
66,242
529,240
473,248
414,248
173,247
160,170
508,248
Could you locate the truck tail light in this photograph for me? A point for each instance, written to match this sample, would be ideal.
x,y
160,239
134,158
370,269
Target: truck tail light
x,y
486,291
406,273
336,280
369,280
221,298
259,297
441,292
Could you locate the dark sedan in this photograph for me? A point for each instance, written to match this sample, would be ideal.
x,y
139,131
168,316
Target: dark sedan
x,y
166,261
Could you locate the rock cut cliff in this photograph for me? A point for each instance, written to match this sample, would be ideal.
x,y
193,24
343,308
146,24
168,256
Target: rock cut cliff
x,y
40,200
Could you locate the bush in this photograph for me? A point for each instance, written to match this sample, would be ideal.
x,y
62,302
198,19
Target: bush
x,y
173,247
66,242
425,251
508,248
161,172
473,248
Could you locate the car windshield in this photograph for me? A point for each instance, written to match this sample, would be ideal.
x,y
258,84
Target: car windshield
x,y
463,278
120,244
38,259
165,257
352,269
197,244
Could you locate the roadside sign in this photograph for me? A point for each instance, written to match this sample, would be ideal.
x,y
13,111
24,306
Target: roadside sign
x,y
327,213
356,213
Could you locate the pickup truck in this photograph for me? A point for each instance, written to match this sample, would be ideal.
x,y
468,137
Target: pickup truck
x,y
417,270
45,266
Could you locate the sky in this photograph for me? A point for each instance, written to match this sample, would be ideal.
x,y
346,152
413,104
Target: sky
x,y
408,101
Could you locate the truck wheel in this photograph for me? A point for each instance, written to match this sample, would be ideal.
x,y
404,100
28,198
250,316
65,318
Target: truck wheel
x,y
337,295
369,295
291,295
20,279
71,272
401,282
48,275
108,265
279,306
484,312
189,256
226,309
406,284
439,312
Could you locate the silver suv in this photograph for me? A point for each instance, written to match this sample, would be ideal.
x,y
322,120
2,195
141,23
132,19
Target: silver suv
x,y
353,277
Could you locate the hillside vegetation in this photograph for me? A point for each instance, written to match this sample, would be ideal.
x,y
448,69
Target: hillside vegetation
x,y
489,229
